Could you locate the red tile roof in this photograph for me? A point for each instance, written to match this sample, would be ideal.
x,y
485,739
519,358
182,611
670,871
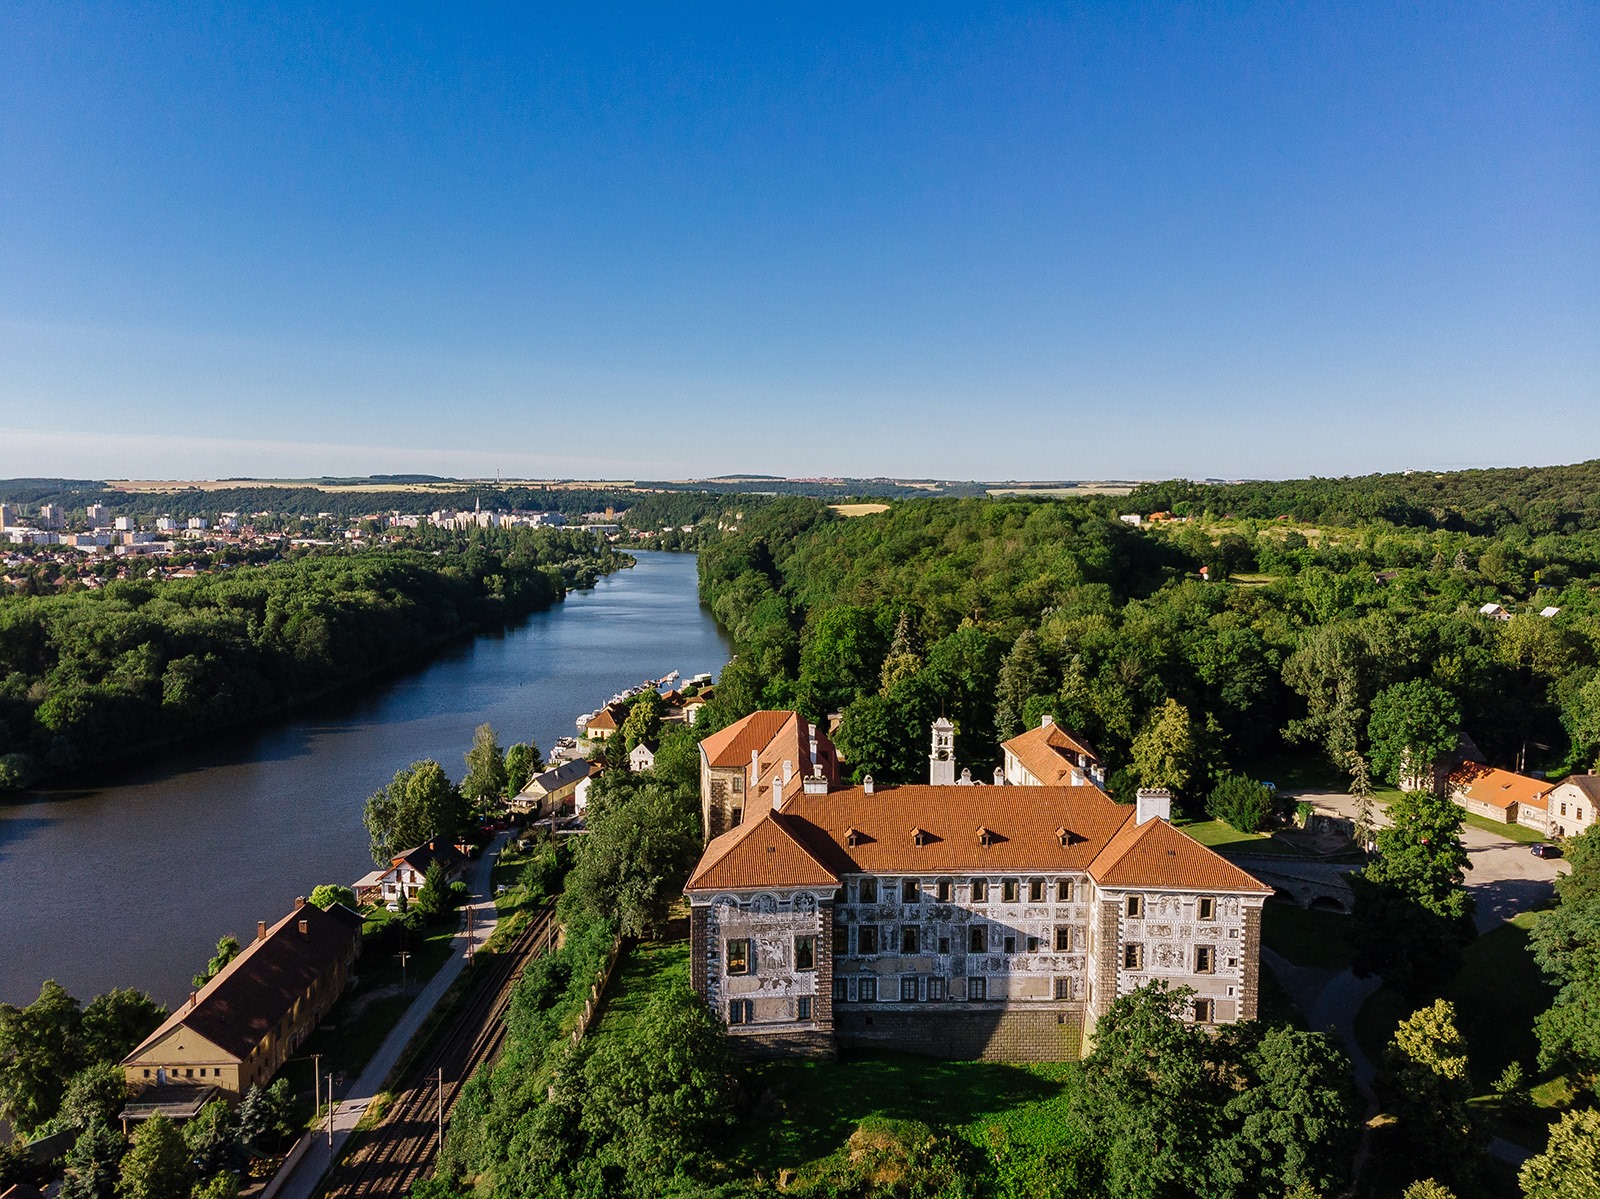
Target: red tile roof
x,y
1499,788
733,745
1049,753
1030,830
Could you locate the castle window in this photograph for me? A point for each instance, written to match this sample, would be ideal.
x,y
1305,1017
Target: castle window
x,y
1064,890
1010,888
841,990
980,890
977,988
738,783
908,988
1011,945
1033,944
1063,938
869,890
841,939
1135,907
978,938
1133,956
910,939
1204,1011
910,891
1205,958
1036,890
944,944
942,889
867,989
1207,908
1063,988
935,989
802,1008
741,1011
738,957
867,938
805,953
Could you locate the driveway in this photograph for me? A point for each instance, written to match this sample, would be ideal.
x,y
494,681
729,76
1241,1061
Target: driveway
x,y
1505,879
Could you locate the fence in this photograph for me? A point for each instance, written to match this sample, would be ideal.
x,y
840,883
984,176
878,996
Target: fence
x,y
597,990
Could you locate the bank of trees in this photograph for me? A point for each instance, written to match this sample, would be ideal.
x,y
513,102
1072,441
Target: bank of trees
x,y
87,677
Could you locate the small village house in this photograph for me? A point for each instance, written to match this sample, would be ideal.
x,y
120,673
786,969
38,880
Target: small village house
x,y
553,790
1572,804
605,723
642,757
237,1030
407,872
1501,795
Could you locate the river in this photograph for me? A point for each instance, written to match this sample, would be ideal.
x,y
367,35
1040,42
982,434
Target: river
x,y
129,880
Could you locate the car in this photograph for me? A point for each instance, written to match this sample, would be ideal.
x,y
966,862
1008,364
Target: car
x,y
1545,850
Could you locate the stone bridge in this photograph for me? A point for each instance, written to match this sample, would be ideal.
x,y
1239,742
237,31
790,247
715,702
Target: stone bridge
x,y
1309,884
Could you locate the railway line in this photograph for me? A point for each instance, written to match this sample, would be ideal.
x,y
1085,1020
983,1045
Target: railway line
x,y
388,1159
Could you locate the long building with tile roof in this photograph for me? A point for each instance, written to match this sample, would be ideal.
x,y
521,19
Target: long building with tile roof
x,y
961,920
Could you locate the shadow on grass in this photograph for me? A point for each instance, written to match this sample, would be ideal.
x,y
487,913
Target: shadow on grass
x,y
801,1111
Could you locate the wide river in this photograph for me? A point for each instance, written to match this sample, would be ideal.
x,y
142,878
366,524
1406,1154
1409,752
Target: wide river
x,y
130,880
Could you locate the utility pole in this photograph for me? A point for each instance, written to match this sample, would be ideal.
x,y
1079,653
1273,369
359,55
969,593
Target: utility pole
x,y
403,956
469,933
316,1081
330,1109
441,1109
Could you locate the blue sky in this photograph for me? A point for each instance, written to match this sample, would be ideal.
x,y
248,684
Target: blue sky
x,y
966,241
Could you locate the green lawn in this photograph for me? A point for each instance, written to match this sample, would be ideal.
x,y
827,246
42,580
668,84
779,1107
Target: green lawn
x,y
1497,993
807,1110
1220,835
648,969
1306,936
1511,832
1295,773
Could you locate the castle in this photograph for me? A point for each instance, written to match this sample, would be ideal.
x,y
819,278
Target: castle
x,y
957,919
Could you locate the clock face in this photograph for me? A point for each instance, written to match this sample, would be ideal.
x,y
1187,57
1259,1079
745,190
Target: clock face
x,y
943,755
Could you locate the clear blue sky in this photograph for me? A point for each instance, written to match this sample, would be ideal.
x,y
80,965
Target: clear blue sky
x,y
963,241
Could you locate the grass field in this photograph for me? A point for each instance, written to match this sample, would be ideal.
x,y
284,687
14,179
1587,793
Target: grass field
x,y
859,509
1306,936
1511,832
650,968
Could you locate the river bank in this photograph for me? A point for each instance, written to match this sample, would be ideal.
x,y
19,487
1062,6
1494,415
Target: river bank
x,y
129,880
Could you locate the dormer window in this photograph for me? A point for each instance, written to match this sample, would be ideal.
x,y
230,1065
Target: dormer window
x,y
985,837
852,837
919,836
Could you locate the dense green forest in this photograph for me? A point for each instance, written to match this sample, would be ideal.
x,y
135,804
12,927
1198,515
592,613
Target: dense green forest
x,y
997,611
90,676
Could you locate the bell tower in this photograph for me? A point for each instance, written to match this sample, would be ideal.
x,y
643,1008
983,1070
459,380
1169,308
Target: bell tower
x,y
942,761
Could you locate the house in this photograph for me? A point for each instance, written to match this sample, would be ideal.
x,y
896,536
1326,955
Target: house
x,y
1049,756
1549,611
692,705
1572,805
963,922
642,757
552,790
246,1022
1501,795
605,722
407,872
1494,612
746,765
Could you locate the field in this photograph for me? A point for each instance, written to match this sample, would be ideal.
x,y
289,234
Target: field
x,y
859,509
1218,834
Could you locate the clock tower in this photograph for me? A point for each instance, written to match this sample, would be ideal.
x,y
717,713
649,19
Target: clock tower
x,y
942,761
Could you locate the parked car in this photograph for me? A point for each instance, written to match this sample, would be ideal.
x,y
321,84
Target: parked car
x,y
1545,850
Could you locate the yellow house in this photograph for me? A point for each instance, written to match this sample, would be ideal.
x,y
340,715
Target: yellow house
x,y
238,1029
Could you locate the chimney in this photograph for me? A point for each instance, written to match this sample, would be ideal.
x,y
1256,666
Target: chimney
x,y
777,795
305,927
866,785
1153,803
999,777
966,777
1046,720
788,770
1077,778
817,784
299,902
755,768
194,997
261,930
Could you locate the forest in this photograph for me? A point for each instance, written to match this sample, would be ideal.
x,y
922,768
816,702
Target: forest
x,y
87,677
1181,649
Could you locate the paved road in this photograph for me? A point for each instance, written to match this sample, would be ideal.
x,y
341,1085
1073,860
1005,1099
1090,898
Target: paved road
x,y
1505,878
312,1156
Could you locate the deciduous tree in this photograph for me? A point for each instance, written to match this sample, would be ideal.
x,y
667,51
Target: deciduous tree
x,y
1569,1167
1413,724
420,804
485,779
157,1164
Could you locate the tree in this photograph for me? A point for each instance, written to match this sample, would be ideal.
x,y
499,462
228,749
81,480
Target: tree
x,y
1569,1167
220,1186
227,950
1366,822
904,658
212,1138
486,767
419,805
434,898
41,1046
1412,725
92,1162
325,895
1241,801
1423,1081
1428,1188
98,1091
523,761
1566,944
633,864
156,1165
265,1116
1023,675
1421,854
643,722
114,1023
1580,715
841,659
1167,753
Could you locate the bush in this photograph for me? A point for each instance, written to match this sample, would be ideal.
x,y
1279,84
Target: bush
x,y
17,771
1241,801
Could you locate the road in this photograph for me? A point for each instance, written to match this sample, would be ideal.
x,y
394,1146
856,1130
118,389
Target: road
x,y
313,1155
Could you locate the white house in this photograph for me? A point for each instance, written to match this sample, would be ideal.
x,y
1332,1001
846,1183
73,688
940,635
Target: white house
x,y
1572,804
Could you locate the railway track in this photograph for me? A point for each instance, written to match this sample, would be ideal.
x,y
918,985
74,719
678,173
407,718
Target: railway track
x,y
388,1159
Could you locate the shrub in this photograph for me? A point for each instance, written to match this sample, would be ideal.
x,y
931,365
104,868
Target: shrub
x,y
1241,801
